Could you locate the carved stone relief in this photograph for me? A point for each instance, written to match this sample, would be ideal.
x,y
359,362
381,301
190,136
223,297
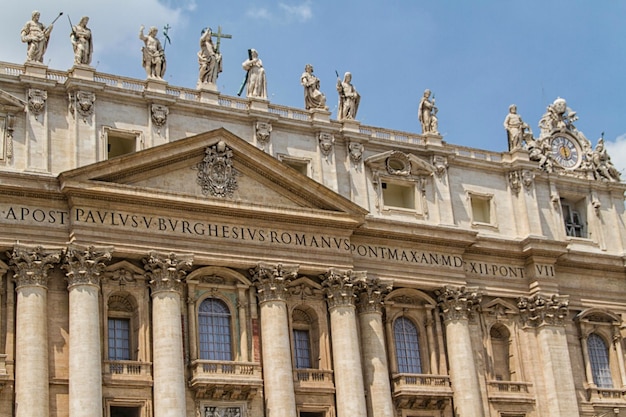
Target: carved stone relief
x,y
159,115
355,151
326,141
263,131
37,101
216,174
82,102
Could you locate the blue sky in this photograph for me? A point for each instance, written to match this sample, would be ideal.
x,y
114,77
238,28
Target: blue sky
x,y
477,57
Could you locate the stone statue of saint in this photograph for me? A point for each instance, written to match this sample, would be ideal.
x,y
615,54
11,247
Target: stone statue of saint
x,y
153,54
425,112
257,85
602,163
82,42
209,58
313,97
349,98
36,36
515,128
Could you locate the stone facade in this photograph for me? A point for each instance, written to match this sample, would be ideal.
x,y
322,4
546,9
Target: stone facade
x,y
170,252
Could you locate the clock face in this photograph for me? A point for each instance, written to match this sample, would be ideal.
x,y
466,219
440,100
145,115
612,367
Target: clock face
x,y
565,152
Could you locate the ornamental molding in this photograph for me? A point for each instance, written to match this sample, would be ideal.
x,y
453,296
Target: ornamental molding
x,y
539,311
371,294
159,114
82,103
37,101
271,280
166,272
326,142
30,264
355,152
458,303
85,264
262,132
216,174
339,286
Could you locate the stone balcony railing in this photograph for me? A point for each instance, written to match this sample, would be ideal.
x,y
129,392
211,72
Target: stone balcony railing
x,y
510,391
318,380
235,381
606,395
421,390
127,373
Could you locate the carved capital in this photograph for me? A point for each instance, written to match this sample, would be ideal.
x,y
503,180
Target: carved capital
x,y
167,272
271,280
85,265
371,294
458,303
539,311
340,286
30,265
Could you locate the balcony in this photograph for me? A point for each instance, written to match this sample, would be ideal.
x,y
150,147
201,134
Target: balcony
x,y
226,380
314,380
606,396
510,392
421,391
127,373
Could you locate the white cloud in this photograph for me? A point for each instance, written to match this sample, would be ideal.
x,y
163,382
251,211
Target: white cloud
x,y
617,150
302,12
260,13
287,13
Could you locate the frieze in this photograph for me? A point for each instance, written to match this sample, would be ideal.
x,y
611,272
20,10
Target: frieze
x,y
30,265
271,280
166,272
84,265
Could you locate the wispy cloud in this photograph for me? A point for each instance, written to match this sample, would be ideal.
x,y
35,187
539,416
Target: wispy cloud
x,y
286,13
302,12
259,13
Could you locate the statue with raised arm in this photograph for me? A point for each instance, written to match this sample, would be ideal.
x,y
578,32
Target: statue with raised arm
x,y
602,164
153,54
313,97
209,59
349,98
82,42
255,78
425,112
36,36
515,128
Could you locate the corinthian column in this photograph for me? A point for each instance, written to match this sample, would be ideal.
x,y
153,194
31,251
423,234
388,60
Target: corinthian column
x,y
345,340
455,305
30,271
271,282
375,368
166,274
83,267
546,316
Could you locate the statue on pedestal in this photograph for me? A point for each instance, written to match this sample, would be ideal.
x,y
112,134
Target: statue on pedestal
x,y
255,78
515,128
153,54
82,42
209,58
36,36
427,114
313,97
349,98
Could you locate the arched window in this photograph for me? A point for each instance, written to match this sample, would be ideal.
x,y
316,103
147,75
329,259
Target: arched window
x,y
122,328
305,338
599,358
499,336
407,346
214,330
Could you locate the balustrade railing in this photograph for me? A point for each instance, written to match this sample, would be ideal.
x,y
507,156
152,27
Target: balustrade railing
x,y
207,368
128,368
422,380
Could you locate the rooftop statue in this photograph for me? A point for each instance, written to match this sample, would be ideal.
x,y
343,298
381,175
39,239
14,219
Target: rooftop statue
x,y
255,77
313,97
601,163
515,128
349,98
427,114
153,54
36,36
557,117
82,42
209,59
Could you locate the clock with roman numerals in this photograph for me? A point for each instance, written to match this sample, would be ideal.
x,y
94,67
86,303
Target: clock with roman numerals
x,y
565,151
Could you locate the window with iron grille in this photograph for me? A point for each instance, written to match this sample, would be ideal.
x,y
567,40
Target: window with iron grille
x,y
599,358
407,346
119,339
214,330
302,348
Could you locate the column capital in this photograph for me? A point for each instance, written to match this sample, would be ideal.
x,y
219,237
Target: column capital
x,y
85,264
371,294
31,264
340,288
271,280
458,303
539,310
166,272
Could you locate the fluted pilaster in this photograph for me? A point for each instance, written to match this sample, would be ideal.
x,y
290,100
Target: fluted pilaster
x,y
30,267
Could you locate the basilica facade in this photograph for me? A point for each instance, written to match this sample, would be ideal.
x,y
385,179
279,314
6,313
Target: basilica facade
x,y
178,252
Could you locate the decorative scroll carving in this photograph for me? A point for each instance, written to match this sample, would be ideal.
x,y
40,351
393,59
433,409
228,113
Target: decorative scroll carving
x,y
271,281
458,303
371,294
31,265
84,265
159,115
82,103
339,286
355,151
263,131
538,310
166,272
398,164
515,181
37,101
216,174
326,141
122,276
441,165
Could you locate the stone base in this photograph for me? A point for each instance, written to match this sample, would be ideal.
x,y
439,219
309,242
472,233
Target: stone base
x,y
35,69
156,85
209,96
320,115
433,139
350,126
211,87
258,104
83,72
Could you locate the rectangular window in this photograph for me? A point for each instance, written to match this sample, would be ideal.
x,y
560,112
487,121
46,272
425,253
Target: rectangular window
x,y
118,411
302,349
399,195
119,339
574,218
299,164
119,142
481,209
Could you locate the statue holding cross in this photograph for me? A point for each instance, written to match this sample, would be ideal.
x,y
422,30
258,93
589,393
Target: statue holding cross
x,y
209,56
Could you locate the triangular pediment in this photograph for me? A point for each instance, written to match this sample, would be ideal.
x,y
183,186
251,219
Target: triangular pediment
x,y
10,103
249,181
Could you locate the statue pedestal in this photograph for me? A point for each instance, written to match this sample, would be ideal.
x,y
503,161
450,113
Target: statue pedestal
x,y
258,104
156,85
350,125
433,139
518,154
35,69
207,87
320,115
83,72
208,95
